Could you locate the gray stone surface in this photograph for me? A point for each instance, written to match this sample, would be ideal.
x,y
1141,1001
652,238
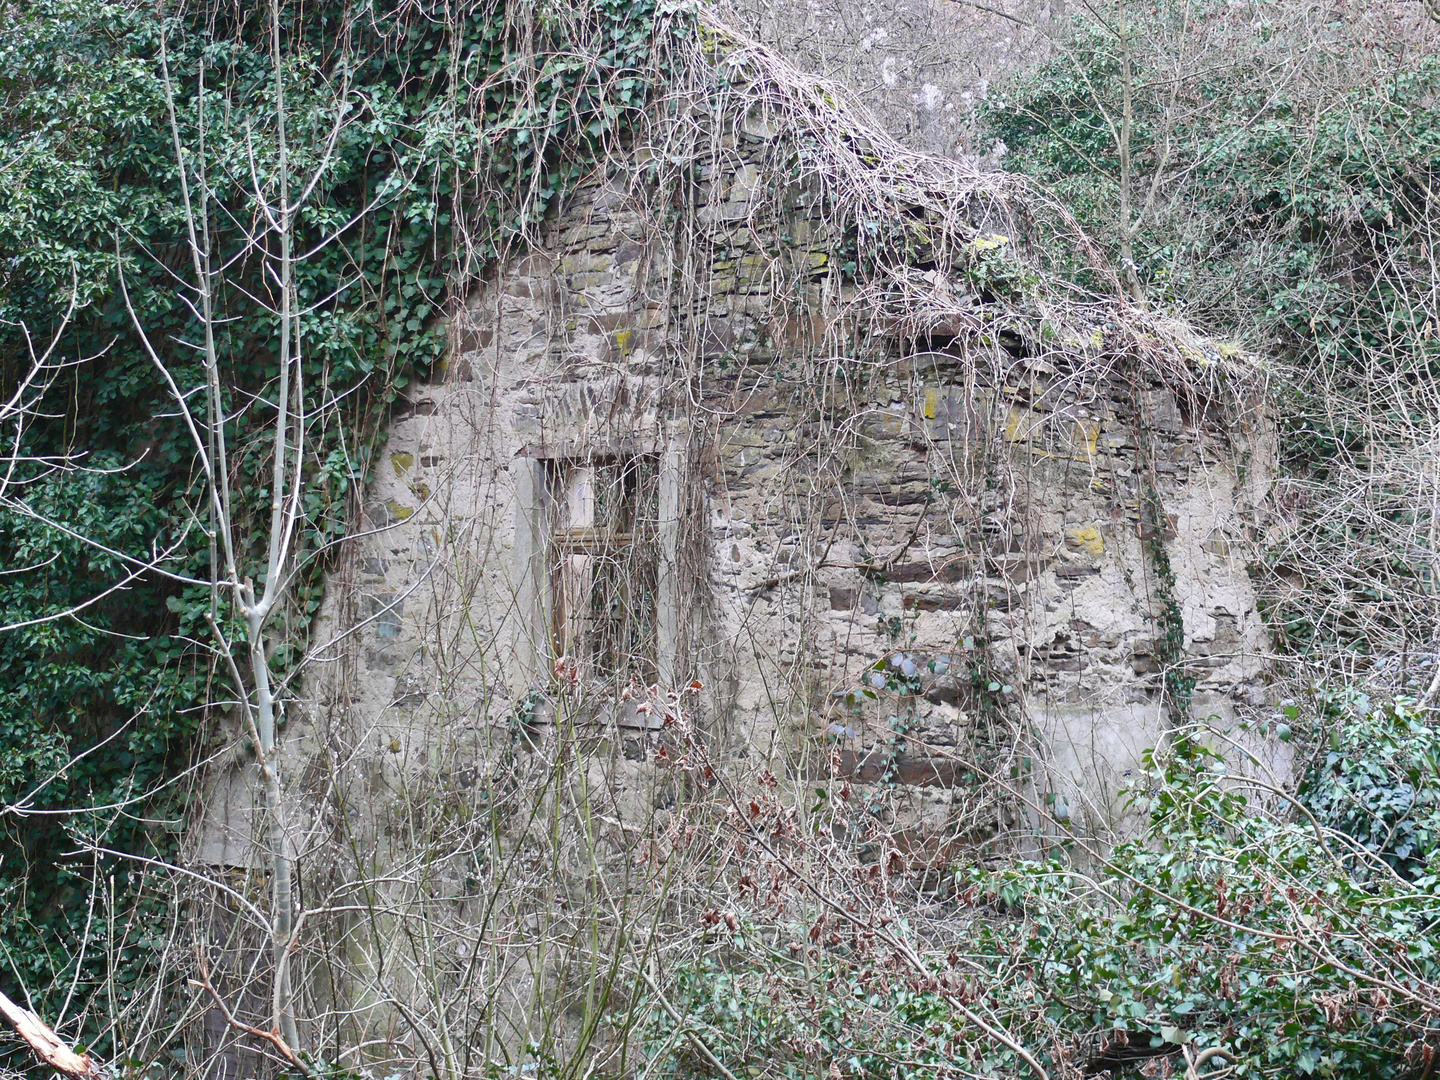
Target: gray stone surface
x,y
948,517
834,499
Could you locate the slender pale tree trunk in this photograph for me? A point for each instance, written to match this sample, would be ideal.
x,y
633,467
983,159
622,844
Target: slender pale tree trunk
x,y
1128,225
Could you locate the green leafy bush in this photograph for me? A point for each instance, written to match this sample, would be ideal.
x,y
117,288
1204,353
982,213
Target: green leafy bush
x,y
1226,925
461,127
1379,782
767,1015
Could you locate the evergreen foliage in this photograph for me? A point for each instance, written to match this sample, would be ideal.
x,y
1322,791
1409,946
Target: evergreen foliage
x,y
435,134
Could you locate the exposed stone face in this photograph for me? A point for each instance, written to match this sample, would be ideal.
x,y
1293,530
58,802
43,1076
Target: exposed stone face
x,y
874,539
987,532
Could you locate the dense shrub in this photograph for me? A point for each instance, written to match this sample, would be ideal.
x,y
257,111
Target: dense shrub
x,y
432,133
1246,924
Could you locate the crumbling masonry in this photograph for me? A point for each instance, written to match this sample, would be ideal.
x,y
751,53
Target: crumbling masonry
x,y
972,550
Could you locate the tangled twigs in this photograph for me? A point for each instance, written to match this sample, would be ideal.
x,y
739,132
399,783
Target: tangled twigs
x,y
48,1046
272,1036
849,913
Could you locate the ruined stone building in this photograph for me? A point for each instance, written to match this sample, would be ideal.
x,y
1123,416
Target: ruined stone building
x,y
775,457
792,426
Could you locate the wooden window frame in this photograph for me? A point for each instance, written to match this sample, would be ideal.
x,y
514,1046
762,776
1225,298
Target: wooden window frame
x,y
602,648
533,472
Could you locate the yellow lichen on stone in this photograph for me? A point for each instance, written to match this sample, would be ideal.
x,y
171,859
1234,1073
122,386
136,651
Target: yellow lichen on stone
x,y
1086,440
402,461
989,242
932,401
1087,538
753,267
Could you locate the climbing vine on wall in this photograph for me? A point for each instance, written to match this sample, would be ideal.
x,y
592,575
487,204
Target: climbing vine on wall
x,y
435,135
1169,647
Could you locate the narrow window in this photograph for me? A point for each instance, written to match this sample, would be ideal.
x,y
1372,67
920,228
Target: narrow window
x,y
603,564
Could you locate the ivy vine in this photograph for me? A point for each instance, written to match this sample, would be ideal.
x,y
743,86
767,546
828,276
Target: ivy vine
x,y
1169,648
457,127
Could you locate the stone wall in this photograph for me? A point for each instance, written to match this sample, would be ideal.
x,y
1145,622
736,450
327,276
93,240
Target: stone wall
x,y
968,536
746,483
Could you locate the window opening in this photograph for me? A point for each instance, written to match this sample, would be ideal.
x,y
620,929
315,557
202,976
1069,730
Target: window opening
x,y
603,567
